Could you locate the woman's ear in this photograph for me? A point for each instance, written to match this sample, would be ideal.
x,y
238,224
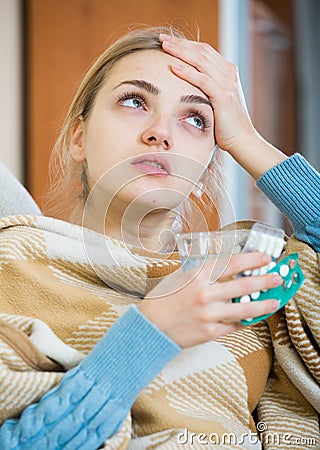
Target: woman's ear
x,y
77,149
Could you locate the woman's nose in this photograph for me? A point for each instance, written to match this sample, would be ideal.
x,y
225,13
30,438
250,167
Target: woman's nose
x,y
158,134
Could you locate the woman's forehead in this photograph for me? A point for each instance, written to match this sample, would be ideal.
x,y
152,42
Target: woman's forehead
x,y
153,66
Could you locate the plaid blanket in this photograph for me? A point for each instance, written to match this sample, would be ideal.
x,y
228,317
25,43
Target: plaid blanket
x,y
255,388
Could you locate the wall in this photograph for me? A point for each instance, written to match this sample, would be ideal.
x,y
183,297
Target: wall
x,y
64,37
11,86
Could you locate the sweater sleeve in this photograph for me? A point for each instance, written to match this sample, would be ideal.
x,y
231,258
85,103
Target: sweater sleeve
x,y
93,399
294,187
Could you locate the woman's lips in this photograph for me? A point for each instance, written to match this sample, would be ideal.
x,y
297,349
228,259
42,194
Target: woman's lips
x,y
152,166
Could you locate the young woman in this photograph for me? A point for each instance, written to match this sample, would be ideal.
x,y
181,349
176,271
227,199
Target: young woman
x,y
156,357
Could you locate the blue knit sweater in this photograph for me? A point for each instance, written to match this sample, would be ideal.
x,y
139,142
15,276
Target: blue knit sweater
x,y
294,187
93,399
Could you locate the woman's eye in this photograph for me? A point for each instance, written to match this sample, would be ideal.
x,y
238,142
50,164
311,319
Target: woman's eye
x,y
132,100
132,103
195,121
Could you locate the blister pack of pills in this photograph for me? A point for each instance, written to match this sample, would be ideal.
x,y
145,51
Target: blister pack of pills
x,y
270,240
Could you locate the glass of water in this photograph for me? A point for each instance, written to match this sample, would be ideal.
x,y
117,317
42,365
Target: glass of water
x,y
195,248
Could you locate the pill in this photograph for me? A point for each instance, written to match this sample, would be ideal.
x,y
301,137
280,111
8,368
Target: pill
x,y
245,299
271,245
255,295
284,270
278,248
263,243
253,238
271,265
263,270
256,272
289,284
295,278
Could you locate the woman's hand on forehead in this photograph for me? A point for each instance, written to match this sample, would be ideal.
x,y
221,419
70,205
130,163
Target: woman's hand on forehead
x,y
200,55
201,65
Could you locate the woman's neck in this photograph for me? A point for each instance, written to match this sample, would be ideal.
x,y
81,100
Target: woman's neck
x,y
149,230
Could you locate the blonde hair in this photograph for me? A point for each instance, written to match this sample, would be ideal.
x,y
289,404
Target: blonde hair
x,y
68,189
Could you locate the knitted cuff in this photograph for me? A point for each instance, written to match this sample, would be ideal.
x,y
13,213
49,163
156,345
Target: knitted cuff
x,y
294,187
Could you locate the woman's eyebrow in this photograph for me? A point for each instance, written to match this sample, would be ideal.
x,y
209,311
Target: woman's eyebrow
x,y
153,89
196,99
149,87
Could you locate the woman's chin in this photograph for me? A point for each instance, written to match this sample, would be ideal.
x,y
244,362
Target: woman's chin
x,y
157,199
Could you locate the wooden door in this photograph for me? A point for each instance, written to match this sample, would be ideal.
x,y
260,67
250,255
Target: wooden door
x,y
63,37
